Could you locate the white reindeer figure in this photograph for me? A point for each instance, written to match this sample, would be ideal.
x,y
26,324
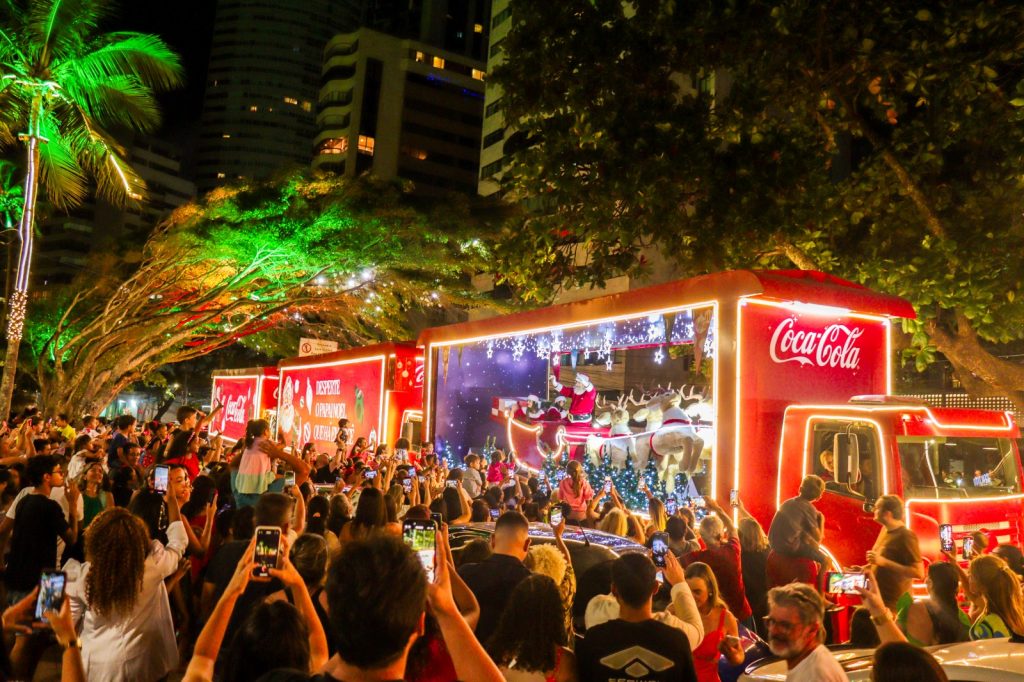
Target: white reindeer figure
x,y
672,438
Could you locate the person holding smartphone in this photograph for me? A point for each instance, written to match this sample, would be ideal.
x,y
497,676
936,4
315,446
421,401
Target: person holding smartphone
x,y
721,631
575,492
256,473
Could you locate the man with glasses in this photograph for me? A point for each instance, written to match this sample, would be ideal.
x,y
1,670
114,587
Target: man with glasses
x,y
795,631
39,524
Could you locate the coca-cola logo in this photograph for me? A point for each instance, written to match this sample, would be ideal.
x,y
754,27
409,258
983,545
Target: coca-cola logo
x,y
834,347
234,410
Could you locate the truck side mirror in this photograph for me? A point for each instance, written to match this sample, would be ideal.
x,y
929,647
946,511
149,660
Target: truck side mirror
x,y
846,451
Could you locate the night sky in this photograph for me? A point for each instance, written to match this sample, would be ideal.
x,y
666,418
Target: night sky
x,y
187,26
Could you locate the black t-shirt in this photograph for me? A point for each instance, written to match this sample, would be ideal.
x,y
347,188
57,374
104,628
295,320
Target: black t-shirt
x,y
323,475
177,446
38,522
287,675
492,581
617,651
220,571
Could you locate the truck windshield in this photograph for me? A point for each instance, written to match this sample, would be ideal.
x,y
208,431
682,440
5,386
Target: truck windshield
x,y
958,467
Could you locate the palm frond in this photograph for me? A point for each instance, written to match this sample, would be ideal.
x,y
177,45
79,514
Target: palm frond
x,y
103,158
146,57
61,27
59,171
116,100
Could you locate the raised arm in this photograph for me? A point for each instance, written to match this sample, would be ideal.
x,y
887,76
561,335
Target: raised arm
x,y
287,574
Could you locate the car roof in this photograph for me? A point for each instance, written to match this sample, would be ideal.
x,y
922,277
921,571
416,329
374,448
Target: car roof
x,y
985,660
542,531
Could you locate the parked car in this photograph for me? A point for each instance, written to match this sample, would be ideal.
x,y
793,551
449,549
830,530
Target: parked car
x,y
986,660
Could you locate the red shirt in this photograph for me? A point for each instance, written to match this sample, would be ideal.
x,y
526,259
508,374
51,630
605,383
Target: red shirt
x,y
724,561
190,462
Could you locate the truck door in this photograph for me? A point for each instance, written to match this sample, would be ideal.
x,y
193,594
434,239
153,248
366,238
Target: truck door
x,y
850,529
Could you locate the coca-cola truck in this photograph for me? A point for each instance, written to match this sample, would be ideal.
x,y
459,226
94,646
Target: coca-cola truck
x,y
378,388
245,394
741,380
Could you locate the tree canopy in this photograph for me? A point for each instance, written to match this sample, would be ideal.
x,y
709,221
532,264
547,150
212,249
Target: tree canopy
x,y
257,263
878,141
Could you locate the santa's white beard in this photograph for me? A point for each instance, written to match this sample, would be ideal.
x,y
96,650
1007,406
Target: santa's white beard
x,y
580,390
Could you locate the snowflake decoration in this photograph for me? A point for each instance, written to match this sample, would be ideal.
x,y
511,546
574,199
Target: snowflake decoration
x,y
659,354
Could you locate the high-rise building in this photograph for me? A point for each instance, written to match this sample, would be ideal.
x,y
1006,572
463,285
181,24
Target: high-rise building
x,y
259,113
69,239
456,26
401,108
492,141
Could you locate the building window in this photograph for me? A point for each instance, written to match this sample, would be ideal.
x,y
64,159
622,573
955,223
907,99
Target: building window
x,y
438,62
420,154
307,105
254,108
491,169
497,48
478,74
500,17
492,108
226,136
494,137
478,28
366,144
333,145
420,57
221,176
291,100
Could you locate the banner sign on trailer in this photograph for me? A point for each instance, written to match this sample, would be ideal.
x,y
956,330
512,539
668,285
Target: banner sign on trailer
x,y
314,397
238,395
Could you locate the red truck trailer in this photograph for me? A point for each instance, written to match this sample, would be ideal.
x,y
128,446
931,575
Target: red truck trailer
x,y
246,394
378,388
738,380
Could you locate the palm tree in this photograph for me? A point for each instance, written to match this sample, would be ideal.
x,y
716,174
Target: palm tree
x,y
62,85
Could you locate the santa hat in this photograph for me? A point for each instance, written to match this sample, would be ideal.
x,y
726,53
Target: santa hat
x,y
532,399
560,400
583,378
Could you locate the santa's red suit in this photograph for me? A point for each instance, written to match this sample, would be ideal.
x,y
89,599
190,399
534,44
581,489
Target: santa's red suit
x,y
582,398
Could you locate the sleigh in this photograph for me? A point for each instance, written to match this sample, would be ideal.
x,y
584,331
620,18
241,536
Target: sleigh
x,y
536,439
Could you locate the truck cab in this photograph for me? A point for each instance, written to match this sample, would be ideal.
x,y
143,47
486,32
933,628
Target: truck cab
x,y
950,466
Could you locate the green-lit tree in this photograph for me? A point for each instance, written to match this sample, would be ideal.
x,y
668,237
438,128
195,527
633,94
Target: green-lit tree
x,y
62,86
875,140
348,260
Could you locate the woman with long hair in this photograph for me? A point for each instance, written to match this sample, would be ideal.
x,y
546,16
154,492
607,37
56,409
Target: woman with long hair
x,y
718,622
531,642
659,516
95,492
255,472
316,515
359,448
615,522
575,492
938,619
371,516
996,595
119,597
754,564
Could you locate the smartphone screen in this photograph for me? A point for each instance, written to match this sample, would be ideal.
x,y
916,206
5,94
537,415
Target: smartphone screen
x,y
289,479
734,498
370,474
494,514
407,484
671,505
968,547
51,593
555,516
422,478
160,478
659,547
846,583
607,484
326,490
268,545
452,483
437,518
422,537
946,537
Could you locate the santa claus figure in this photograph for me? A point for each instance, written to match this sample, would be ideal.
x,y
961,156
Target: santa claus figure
x,y
582,398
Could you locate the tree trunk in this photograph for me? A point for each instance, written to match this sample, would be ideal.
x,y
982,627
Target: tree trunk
x,y
164,406
969,357
19,298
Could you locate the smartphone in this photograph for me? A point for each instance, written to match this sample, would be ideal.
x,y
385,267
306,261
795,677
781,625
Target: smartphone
x,y
968,548
494,514
422,537
846,583
555,515
370,474
289,479
422,478
437,518
268,546
671,505
51,593
734,498
946,537
325,489
659,548
407,484
451,483
161,474
542,476
607,484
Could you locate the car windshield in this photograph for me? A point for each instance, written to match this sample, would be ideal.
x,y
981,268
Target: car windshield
x,y
958,467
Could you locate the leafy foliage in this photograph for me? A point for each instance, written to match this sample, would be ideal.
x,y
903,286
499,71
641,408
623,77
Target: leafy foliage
x,y
879,141
257,263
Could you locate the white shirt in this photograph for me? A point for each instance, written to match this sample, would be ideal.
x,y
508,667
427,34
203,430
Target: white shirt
x,y
139,645
604,607
819,666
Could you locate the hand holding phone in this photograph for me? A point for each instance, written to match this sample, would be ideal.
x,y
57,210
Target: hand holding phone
x,y
607,484
659,548
734,498
555,516
946,537
289,479
421,536
968,548
51,593
161,477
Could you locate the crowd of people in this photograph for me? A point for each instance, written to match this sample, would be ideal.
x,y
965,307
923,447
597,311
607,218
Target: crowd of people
x,y
161,576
